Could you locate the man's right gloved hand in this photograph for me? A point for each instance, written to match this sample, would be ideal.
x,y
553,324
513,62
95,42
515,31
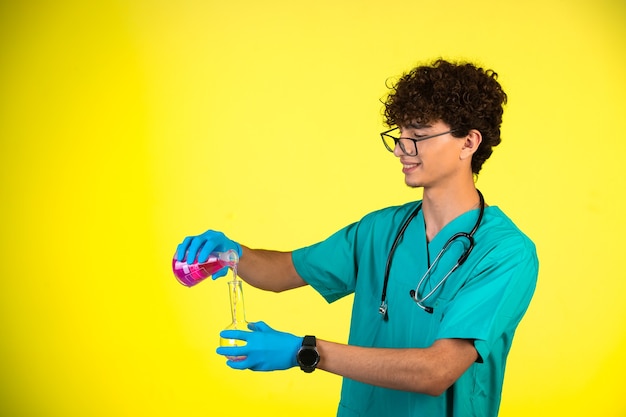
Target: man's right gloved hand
x,y
198,248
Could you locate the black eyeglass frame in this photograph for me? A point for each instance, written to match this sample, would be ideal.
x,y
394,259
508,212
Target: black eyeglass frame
x,y
399,140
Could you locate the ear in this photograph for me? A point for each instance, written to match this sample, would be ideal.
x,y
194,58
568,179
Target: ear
x,y
471,143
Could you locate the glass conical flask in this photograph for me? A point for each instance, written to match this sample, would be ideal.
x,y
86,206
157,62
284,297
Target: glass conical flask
x,y
190,274
238,316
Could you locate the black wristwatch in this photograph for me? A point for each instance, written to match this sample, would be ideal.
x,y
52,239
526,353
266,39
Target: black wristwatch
x,y
307,356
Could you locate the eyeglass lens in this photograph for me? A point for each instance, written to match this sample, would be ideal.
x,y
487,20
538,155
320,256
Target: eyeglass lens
x,y
406,145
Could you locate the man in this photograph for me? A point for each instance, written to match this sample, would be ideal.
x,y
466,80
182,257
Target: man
x,y
439,285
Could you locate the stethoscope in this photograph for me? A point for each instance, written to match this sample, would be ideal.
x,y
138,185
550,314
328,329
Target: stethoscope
x,y
415,293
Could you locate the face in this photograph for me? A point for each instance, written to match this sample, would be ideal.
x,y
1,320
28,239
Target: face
x,y
438,159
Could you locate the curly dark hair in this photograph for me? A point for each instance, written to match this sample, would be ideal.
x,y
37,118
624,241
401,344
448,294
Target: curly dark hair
x,y
461,95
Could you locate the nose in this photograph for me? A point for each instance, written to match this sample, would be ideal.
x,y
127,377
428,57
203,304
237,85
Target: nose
x,y
397,150
400,150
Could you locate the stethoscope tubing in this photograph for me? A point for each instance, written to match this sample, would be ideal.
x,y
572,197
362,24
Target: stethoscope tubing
x,y
415,293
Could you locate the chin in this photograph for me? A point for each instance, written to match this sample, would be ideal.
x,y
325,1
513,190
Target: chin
x,y
413,185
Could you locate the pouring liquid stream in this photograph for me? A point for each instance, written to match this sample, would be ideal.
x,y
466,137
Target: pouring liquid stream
x,y
238,313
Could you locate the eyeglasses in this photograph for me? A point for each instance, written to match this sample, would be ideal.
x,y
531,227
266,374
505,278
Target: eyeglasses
x,y
408,145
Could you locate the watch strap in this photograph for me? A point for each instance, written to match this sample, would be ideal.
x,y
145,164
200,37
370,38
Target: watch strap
x,y
309,341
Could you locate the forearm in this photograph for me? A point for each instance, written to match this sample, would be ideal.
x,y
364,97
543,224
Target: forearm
x,y
429,371
268,270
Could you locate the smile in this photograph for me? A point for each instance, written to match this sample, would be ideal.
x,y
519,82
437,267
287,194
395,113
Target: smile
x,y
406,168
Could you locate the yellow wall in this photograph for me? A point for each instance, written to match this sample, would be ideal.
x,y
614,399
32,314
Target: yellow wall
x,y
127,125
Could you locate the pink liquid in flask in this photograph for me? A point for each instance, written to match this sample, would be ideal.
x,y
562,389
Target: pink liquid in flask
x,y
191,274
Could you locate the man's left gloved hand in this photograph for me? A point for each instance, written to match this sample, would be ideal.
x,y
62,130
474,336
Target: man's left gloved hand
x,y
266,349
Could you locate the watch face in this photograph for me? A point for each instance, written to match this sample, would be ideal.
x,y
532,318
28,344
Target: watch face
x,y
308,357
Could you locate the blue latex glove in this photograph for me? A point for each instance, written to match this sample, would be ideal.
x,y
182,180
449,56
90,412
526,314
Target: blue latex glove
x,y
266,349
200,247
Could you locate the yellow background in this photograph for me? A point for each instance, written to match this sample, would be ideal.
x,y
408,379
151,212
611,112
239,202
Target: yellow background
x,y
127,125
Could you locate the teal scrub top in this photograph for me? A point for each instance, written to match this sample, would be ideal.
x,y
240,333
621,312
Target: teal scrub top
x,y
483,300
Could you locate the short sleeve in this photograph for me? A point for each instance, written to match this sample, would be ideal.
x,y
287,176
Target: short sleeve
x,y
330,266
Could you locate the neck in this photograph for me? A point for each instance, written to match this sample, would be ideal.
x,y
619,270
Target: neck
x,y
440,207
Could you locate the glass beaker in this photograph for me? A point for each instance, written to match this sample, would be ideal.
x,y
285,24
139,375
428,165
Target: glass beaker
x,y
238,316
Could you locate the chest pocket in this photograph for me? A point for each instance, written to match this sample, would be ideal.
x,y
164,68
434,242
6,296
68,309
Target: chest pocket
x,y
446,297
437,316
